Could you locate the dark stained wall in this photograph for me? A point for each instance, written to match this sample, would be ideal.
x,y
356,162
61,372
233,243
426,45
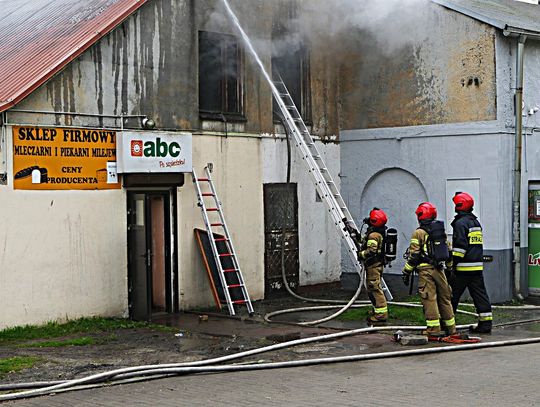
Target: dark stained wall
x,y
448,76
149,65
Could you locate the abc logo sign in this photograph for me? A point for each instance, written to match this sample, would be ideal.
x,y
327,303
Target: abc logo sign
x,y
157,148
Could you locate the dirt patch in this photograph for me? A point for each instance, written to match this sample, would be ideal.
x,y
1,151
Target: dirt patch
x,y
192,338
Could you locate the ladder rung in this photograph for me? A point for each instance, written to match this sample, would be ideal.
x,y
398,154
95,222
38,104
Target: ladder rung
x,y
226,255
235,285
216,224
239,301
221,239
203,179
207,194
212,209
229,270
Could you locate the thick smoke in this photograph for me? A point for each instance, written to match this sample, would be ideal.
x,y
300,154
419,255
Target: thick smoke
x,y
389,24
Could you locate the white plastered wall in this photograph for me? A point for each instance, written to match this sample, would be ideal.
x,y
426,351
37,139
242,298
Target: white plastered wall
x,y
237,176
318,238
63,254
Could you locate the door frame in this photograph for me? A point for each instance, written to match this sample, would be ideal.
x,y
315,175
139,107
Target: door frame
x,y
170,240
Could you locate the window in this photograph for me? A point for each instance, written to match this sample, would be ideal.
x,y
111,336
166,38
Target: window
x,y
220,84
293,67
290,58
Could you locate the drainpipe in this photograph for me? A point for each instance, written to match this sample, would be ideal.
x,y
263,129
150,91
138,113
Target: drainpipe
x,y
517,164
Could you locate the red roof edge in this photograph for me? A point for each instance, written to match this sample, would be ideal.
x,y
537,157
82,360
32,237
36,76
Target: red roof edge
x,y
61,64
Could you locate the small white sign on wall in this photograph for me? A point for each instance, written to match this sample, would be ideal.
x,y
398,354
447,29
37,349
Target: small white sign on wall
x,y
143,152
470,186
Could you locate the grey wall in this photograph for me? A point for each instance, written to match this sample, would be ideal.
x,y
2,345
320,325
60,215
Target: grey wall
x,y
411,164
399,167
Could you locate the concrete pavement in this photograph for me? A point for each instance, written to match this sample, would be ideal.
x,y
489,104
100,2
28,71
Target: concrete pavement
x,y
500,376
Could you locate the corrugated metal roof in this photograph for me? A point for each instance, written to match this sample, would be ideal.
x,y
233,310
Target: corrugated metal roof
x,y
503,14
39,37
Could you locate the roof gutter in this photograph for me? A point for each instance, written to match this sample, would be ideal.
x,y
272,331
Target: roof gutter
x,y
517,32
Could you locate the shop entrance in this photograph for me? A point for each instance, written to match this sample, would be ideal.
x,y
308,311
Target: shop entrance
x,y
151,273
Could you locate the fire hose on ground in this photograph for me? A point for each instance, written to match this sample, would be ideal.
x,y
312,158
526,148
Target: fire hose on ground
x,y
150,372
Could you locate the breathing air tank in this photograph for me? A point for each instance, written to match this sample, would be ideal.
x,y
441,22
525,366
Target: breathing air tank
x,y
390,249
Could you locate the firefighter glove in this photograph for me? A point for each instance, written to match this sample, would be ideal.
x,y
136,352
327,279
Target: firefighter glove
x,y
406,277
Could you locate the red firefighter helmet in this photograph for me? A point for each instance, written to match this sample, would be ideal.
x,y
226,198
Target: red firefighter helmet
x,y
425,211
377,218
463,201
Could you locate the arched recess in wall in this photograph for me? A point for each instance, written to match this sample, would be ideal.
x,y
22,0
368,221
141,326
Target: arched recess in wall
x,y
398,192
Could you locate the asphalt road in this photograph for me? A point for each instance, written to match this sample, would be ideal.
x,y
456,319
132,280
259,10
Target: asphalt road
x,y
502,376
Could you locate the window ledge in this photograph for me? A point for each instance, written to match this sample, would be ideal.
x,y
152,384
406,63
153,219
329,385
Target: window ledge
x,y
223,117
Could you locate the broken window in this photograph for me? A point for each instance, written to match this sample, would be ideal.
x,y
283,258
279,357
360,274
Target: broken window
x,y
290,59
220,84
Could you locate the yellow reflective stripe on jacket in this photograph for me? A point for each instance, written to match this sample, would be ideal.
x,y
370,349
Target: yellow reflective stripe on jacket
x,y
372,243
408,267
415,241
449,322
432,322
470,266
457,254
383,310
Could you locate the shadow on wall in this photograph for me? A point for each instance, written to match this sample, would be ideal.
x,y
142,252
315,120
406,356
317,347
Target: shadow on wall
x,y
398,193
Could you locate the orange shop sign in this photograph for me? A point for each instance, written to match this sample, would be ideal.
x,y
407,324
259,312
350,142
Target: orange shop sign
x,y
60,158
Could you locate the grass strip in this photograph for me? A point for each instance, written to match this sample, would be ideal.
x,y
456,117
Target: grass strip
x,y
17,363
83,325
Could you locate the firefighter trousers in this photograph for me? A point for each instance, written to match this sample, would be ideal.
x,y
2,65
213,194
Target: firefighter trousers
x,y
375,293
477,289
436,296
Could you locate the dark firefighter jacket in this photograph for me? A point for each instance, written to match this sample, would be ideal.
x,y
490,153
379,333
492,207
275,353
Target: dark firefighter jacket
x,y
467,244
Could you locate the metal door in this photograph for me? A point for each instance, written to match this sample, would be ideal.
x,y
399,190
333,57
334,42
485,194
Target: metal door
x,y
281,230
139,258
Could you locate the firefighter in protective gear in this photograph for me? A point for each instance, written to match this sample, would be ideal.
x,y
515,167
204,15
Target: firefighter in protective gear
x,y
468,266
433,287
372,254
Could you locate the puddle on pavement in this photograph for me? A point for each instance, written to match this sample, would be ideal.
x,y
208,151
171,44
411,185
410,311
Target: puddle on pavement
x,y
532,327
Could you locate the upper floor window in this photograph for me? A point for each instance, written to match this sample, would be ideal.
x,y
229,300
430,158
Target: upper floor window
x,y
290,57
220,79
293,67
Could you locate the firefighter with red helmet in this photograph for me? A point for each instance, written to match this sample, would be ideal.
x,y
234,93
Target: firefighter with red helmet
x,y
372,254
468,266
433,288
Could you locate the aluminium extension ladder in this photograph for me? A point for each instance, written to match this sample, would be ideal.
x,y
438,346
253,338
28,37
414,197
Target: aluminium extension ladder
x,y
229,273
324,183
326,187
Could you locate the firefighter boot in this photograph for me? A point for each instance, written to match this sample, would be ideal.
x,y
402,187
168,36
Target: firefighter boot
x,y
450,330
434,331
483,327
377,318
